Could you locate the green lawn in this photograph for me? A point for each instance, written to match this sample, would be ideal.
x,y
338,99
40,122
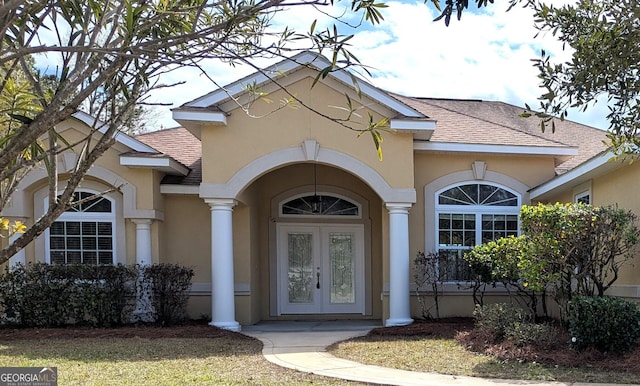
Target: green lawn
x,y
233,359
446,356
166,361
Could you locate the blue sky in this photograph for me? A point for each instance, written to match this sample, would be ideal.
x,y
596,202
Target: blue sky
x,y
487,55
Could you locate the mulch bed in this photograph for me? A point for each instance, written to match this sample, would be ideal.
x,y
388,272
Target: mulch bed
x,y
461,329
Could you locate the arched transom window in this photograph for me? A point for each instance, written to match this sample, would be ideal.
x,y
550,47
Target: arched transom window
x,y
470,214
319,205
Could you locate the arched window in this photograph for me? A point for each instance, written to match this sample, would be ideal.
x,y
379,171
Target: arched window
x,y
84,234
469,214
321,204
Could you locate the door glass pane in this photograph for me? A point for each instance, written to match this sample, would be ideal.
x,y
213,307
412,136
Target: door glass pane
x,y
300,274
341,257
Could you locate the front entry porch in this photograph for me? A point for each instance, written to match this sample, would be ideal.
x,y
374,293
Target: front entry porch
x,y
296,262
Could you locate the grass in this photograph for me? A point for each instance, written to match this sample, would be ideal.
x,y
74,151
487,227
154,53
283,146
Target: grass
x,y
143,361
233,359
446,356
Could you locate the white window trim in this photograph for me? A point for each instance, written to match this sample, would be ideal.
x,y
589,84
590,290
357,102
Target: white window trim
x,y
319,216
477,210
578,196
85,216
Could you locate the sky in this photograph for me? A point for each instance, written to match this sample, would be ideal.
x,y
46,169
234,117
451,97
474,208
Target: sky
x,y
487,55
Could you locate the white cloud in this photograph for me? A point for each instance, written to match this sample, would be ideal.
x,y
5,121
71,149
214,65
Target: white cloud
x,y
486,55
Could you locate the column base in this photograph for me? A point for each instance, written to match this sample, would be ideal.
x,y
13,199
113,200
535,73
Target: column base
x,y
398,322
231,326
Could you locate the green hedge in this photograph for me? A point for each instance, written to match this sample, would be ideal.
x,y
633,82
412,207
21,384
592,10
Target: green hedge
x,y
39,295
169,286
43,295
608,324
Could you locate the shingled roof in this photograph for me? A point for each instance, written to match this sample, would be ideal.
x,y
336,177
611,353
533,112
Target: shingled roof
x,y
490,122
181,145
458,121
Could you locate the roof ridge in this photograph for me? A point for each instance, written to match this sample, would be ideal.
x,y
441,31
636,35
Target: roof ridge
x,y
158,131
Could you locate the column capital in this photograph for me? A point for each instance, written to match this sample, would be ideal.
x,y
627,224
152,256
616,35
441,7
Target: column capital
x,y
398,207
141,221
221,202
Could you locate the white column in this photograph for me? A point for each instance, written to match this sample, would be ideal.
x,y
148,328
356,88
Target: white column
x,y
144,308
223,310
143,241
399,265
20,257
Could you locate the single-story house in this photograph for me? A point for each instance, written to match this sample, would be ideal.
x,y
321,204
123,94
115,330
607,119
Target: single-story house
x,y
285,214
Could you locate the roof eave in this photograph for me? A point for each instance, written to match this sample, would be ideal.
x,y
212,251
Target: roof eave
x,y
164,164
422,129
193,120
558,152
304,59
596,166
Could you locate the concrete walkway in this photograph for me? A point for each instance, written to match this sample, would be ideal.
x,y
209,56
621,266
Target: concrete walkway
x,y
302,346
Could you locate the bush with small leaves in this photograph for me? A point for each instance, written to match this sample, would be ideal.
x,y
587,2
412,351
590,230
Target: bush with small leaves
x,y
495,319
527,333
170,285
608,324
43,295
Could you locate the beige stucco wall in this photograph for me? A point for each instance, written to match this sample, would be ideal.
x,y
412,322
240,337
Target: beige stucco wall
x,y
246,138
187,233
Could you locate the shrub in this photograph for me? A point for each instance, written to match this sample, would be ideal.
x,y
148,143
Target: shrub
x,y
38,295
169,286
495,319
606,323
527,333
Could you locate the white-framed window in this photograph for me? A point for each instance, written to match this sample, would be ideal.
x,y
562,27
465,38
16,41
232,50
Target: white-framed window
x,y
84,234
468,214
320,204
583,197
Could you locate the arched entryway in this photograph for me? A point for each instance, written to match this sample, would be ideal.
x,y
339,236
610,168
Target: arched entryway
x,y
278,174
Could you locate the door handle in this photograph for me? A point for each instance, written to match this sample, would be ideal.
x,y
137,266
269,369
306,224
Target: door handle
x,y
318,282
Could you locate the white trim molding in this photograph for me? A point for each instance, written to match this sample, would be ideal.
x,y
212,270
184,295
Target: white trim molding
x,y
164,164
18,206
556,151
121,137
187,117
422,129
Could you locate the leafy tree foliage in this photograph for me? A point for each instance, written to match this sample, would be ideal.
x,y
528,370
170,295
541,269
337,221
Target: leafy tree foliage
x,y
500,262
578,242
605,40
117,50
576,249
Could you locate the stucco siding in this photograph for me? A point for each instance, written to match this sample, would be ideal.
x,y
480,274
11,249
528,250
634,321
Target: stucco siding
x,y
246,138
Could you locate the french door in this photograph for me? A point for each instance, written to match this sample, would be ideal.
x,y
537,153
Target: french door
x,y
320,269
